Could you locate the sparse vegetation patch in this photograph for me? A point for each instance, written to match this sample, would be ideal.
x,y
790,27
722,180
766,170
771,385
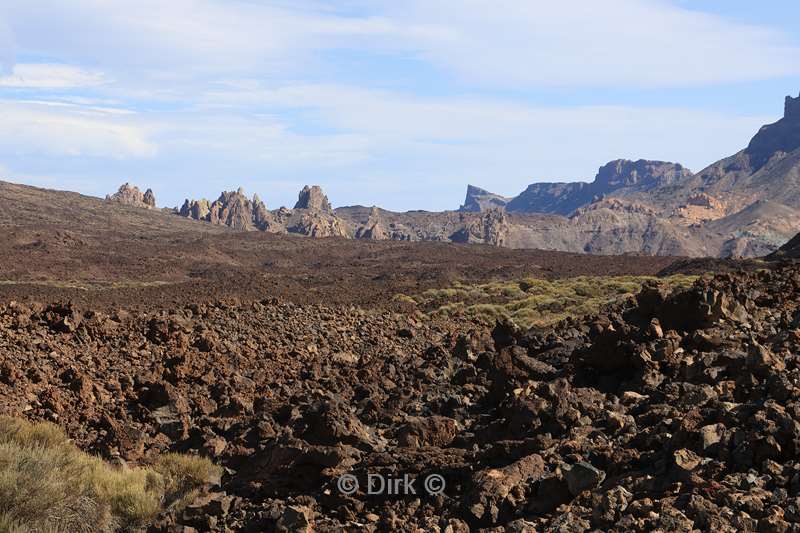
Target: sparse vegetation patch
x,y
48,484
531,301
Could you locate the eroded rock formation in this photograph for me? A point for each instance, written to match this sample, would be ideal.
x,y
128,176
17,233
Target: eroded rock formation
x,y
131,195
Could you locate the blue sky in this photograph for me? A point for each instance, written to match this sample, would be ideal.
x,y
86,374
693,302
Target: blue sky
x,y
394,103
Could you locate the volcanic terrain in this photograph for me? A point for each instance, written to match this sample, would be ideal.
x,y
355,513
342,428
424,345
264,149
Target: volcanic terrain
x,y
305,369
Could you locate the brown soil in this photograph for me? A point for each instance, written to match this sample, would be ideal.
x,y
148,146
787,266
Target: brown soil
x,y
130,257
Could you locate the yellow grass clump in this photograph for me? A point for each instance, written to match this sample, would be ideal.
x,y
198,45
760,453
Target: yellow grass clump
x,y
48,484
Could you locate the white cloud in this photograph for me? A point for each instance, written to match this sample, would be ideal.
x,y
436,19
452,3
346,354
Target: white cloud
x,y
518,43
259,140
50,76
33,128
370,142
6,46
198,36
621,43
547,138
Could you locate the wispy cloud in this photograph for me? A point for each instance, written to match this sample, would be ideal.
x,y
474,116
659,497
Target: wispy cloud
x,y
621,43
650,43
392,120
50,76
33,128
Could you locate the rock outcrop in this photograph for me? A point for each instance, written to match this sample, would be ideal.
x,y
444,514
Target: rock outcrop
x,y
131,195
698,209
641,175
478,199
725,209
747,204
620,177
374,228
491,227
312,216
314,199
314,223
776,139
232,209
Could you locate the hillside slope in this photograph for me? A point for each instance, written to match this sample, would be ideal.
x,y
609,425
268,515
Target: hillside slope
x,y
89,250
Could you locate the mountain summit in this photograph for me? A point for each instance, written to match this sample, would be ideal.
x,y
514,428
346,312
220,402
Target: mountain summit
x,y
620,177
780,138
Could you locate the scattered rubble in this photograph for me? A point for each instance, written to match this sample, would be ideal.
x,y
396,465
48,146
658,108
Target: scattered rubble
x,y
670,411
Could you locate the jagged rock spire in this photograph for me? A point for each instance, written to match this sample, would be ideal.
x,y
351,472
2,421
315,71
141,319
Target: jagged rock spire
x,y
314,199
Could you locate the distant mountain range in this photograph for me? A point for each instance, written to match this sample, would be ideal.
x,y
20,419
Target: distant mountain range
x,y
620,177
747,204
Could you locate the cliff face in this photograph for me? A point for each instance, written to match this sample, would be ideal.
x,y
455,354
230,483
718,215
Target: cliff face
x,y
620,177
558,198
478,199
641,175
746,204
491,227
778,139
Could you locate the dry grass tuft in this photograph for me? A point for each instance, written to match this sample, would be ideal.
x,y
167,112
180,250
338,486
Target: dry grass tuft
x,y
531,302
48,484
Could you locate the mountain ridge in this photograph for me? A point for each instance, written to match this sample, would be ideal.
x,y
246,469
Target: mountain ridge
x,y
747,204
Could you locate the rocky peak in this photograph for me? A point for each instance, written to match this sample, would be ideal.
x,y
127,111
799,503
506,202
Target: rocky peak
x,y
233,209
374,229
642,173
478,199
776,139
791,107
128,194
314,199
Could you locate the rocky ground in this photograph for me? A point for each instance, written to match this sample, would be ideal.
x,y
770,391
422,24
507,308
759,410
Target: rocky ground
x,y
671,412
285,360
